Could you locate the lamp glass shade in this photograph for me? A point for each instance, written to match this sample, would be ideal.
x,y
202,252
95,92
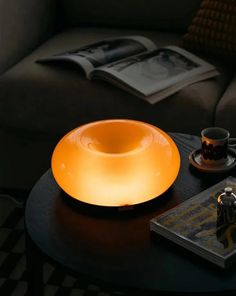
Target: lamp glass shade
x,y
115,162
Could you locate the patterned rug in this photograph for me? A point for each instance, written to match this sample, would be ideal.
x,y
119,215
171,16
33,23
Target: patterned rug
x,y
13,262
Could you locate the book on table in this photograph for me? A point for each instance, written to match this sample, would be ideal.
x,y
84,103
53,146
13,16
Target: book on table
x,y
135,64
193,225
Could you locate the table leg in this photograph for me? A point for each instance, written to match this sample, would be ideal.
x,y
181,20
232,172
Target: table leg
x,y
34,265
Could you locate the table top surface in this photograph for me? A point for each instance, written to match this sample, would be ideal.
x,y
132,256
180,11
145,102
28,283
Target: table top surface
x,y
117,247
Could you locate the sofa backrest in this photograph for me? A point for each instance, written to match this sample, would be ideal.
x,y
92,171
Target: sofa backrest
x,y
24,25
174,15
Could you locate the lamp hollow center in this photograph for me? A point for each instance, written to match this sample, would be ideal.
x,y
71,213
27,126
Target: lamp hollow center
x,y
115,137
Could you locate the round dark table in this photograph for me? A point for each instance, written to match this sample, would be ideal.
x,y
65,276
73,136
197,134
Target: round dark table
x,y
118,248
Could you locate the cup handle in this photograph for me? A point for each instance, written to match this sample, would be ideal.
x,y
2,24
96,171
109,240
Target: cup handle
x,y
232,143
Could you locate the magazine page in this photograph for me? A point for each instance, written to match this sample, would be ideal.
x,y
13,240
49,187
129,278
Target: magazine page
x,y
103,52
158,96
151,72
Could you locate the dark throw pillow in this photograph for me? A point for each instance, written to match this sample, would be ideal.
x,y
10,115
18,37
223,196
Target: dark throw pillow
x,y
213,29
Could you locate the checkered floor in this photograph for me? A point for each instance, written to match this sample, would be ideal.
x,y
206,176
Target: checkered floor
x,y
13,262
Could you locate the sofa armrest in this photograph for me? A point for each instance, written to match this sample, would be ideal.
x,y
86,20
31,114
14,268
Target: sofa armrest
x,y
226,109
24,24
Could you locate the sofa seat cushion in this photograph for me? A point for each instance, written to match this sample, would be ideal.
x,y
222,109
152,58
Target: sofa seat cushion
x,y
54,99
226,109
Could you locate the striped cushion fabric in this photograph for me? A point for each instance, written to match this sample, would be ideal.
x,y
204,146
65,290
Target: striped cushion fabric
x,y
213,29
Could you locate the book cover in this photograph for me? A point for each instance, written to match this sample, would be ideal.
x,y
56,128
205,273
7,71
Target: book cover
x,y
193,225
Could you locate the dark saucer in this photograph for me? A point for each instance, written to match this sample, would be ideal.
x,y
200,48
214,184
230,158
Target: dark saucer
x,y
196,160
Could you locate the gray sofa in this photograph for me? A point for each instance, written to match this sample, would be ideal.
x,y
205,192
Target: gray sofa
x,y
39,103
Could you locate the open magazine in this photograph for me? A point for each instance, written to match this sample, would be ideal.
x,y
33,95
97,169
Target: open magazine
x,y
193,225
135,64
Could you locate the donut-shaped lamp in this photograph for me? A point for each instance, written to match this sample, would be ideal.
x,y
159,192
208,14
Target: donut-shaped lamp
x,y
115,162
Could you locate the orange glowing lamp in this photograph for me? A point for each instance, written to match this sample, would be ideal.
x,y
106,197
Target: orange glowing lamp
x,y
115,162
